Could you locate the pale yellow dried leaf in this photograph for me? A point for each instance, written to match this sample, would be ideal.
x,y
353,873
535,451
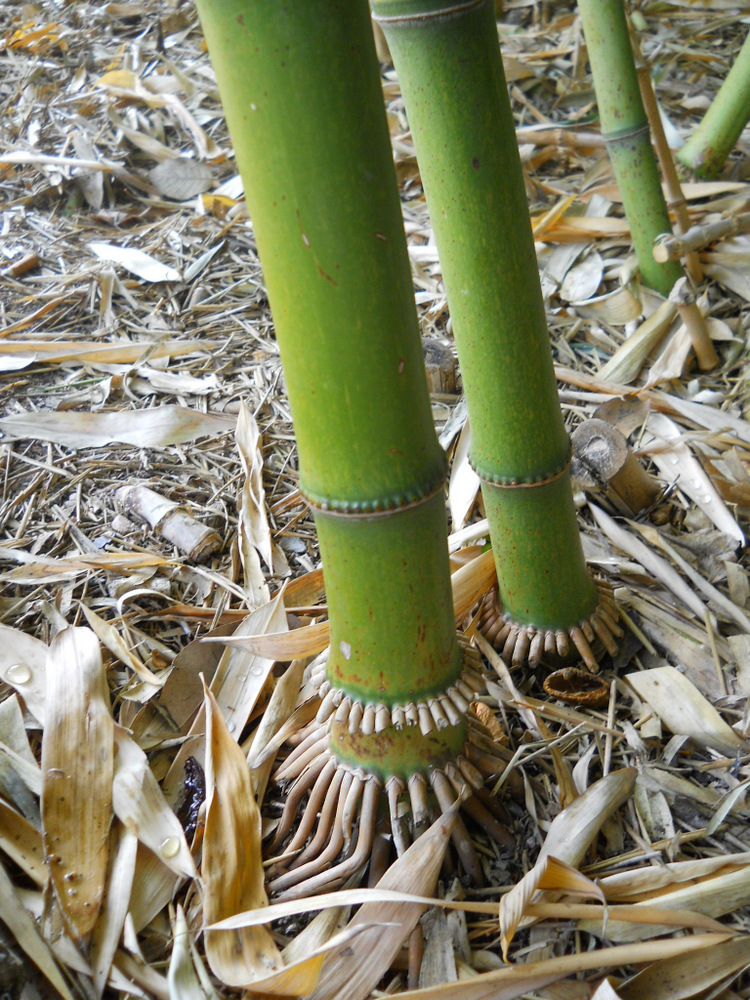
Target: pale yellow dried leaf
x,y
108,929
471,581
232,866
154,887
77,766
143,265
599,920
242,673
677,464
280,707
139,804
687,975
88,351
636,883
23,928
463,483
683,709
519,980
549,873
109,637
656,538
651,561
184,982
573,830
713,896
153,427
351,973
286,646
627,361
22,842
616,308
23,666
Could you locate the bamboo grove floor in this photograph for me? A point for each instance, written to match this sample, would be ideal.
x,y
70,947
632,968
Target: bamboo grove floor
x,y
137,354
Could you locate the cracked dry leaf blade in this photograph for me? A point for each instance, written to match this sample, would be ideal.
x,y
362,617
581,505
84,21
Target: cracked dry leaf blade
x,y
77,771
683,709
232,865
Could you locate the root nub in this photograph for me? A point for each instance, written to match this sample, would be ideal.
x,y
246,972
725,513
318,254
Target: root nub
x,y
520,644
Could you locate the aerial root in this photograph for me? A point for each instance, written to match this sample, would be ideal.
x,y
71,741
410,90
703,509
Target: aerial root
x,y
520,644
328,823
336,830
319,875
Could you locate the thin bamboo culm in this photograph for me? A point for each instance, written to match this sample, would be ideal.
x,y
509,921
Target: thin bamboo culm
x,y
451,75
625,130
300,85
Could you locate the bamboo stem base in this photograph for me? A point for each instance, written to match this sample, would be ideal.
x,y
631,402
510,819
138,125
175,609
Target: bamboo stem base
x,y
520,644
327,826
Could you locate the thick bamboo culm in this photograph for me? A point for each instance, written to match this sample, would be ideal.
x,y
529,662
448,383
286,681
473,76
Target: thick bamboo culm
x,y
625,129
451,75
301,91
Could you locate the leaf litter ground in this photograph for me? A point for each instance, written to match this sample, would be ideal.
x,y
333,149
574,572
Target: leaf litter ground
x,y
150,497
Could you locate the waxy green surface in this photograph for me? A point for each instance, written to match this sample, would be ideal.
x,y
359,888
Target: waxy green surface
x,y
625,127
301,89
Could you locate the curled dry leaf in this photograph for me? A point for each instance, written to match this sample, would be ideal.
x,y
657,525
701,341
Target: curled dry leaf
x,y
77,766
683,709
547,874
569,837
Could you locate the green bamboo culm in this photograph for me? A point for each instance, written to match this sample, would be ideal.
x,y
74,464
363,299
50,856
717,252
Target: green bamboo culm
x,y
625,130
448,62
300,86
708,147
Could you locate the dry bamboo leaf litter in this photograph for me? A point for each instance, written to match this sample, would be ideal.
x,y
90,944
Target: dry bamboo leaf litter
x,y
84,333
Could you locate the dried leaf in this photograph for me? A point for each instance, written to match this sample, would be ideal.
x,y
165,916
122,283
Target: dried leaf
x,y
180,179
351,973
109,927
77,766
141,264
688,975
683,709
23,666
255,535
139,804
155,427
22,926
242,673
232,865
